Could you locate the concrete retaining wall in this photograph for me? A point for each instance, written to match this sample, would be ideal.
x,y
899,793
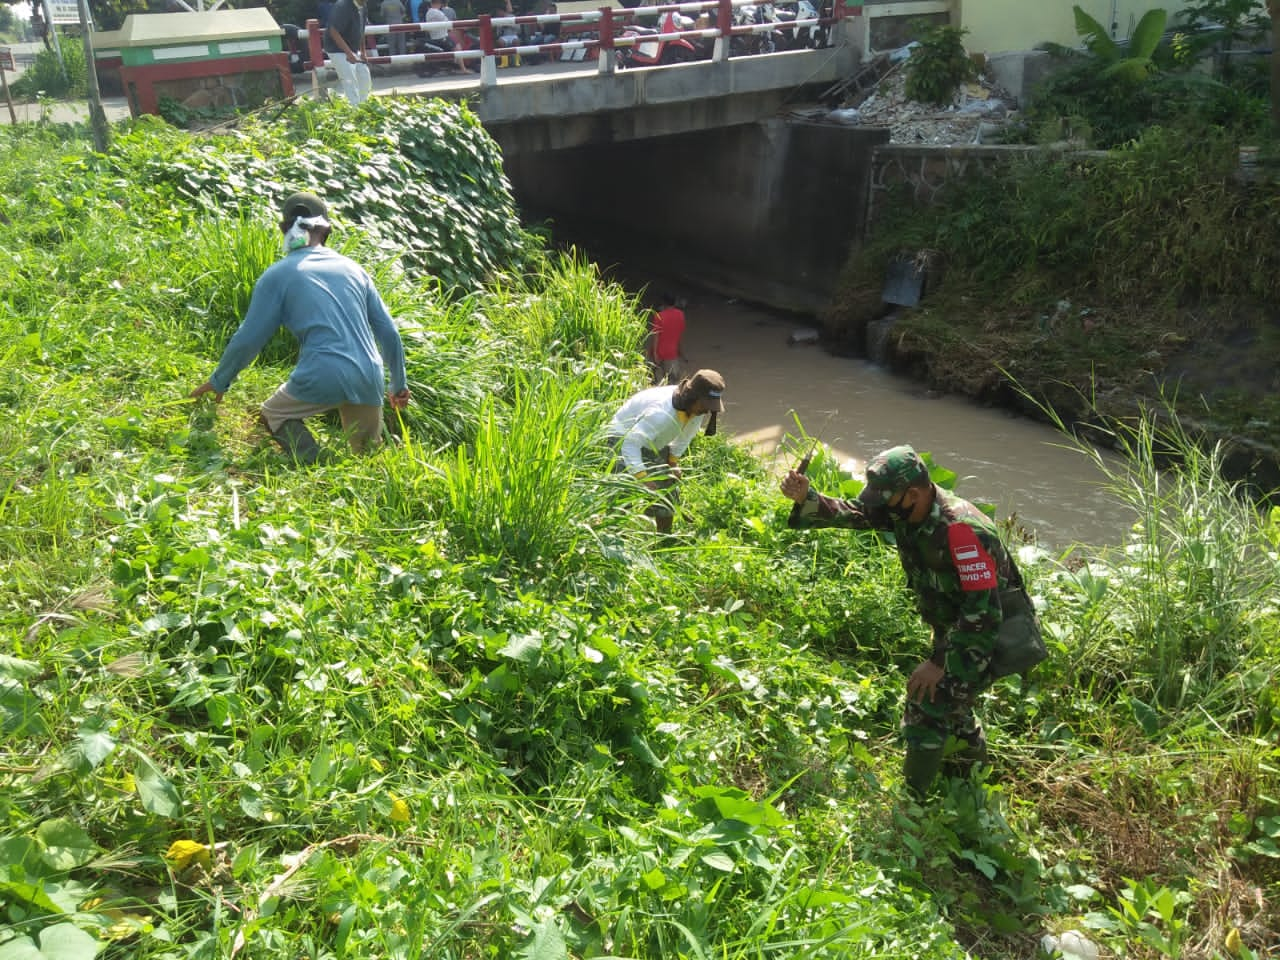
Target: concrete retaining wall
x,y
927,169
766,211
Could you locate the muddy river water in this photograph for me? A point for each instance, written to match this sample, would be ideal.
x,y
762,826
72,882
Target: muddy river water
x,y
858,409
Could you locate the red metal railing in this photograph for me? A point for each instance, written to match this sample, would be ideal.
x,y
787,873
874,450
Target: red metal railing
x,y
614,29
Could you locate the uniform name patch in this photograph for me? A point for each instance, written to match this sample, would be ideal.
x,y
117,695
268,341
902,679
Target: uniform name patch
x,y
974,566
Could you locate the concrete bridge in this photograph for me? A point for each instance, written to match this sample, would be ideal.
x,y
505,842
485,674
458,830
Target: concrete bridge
x,y
690,168
557,113
728,72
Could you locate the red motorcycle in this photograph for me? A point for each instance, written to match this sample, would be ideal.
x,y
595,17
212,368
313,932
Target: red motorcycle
x,y
653,47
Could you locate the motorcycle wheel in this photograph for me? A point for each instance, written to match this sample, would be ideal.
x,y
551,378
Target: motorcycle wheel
x,y
676,55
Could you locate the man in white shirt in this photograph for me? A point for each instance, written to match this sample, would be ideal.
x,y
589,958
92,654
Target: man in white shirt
x,y
653,429
438,33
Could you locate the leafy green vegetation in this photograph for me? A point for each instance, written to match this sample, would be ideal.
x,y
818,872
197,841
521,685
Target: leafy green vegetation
x,y
456,699
938,65
50,76
1108,94
1125,275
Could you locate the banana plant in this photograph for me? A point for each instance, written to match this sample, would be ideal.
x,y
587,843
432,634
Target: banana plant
x,y
1137,64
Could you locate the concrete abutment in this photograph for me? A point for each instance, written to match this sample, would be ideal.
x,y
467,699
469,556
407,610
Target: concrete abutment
x,y
767,211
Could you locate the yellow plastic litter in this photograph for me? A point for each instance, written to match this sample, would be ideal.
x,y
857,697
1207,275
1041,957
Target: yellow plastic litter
x,y
399,811
182,853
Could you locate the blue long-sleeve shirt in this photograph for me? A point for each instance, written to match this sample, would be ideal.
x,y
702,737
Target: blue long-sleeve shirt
x,y
343,328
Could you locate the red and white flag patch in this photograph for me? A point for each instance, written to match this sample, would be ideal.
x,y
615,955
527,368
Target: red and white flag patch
x,y
974,566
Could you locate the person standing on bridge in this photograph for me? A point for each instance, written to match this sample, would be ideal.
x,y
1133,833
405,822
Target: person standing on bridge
x,y
344,42
662,347
393,14
968,590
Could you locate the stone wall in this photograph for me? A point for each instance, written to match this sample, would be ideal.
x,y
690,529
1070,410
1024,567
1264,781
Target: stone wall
x,y
927,168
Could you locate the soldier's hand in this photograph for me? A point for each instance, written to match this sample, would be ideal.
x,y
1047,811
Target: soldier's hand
x,y
924,679
795,486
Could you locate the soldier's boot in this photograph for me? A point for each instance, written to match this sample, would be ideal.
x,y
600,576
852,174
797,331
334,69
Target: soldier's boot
x,y
920,767
296,441
974,752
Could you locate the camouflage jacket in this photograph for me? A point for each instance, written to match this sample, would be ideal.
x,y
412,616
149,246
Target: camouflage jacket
x,y
955,563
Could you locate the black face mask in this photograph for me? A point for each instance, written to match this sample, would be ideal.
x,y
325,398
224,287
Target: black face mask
x,y
901,511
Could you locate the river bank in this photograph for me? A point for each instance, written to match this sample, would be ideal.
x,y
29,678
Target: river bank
x,y
1217,364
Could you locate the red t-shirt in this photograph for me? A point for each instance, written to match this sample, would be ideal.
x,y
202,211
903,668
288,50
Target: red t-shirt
x,y
668,328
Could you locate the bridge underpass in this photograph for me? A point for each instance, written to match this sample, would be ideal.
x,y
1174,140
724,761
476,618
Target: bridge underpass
x,y
699,169
765,211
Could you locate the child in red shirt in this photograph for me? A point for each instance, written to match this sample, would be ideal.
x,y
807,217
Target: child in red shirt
x,y
662,346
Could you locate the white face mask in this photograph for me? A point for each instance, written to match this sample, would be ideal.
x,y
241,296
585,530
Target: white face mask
x,y
299,235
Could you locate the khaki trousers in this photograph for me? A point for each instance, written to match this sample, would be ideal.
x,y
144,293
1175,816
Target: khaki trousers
x,y
362,423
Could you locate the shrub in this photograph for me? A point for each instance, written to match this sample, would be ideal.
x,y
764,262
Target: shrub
x,y
938,65
46,77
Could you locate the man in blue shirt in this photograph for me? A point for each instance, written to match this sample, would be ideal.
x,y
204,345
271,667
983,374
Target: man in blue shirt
x,y
344,334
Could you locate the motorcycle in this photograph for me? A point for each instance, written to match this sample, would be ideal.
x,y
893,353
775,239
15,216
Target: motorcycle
x,y
650,49
431,68
759,41
294,48
802,38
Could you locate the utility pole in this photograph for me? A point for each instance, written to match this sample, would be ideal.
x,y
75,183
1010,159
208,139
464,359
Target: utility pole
x,y
52,32
97,116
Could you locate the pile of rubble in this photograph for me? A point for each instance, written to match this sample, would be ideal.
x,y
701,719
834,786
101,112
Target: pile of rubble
x,y
976,114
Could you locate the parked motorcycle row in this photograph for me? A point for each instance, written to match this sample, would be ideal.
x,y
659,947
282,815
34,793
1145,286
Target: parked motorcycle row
x,y
659,47
650,45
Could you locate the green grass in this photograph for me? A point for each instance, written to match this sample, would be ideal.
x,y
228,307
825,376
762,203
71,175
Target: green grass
x,y
456,699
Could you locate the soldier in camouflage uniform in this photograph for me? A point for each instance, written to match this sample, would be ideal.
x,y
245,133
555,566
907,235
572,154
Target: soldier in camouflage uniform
x,y
957,566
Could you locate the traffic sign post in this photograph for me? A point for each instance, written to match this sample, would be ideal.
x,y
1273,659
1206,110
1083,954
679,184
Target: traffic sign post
x,y
64,11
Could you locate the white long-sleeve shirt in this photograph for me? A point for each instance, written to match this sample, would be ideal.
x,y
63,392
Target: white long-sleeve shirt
x,y
650,420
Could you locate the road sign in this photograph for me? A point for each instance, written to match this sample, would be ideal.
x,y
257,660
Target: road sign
x,y
63,11
6,58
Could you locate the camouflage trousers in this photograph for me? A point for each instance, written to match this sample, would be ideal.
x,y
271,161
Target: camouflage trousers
x,y
927,725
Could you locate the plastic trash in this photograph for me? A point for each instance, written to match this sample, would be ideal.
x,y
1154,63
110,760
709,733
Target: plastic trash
x,y
1072,944
903,53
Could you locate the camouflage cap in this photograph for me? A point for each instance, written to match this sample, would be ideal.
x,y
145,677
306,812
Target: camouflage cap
x,y
891,472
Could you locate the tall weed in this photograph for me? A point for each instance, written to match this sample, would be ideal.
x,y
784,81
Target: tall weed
x,y
565,309
1179,600
533,488
1159,220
